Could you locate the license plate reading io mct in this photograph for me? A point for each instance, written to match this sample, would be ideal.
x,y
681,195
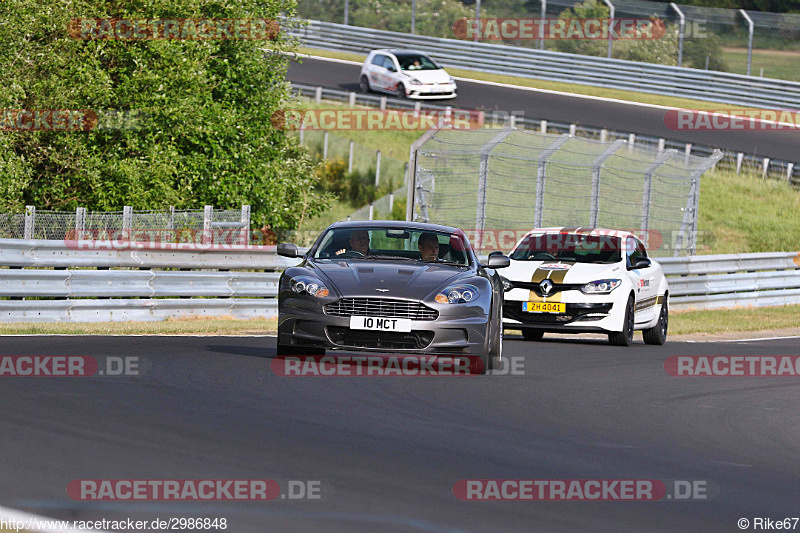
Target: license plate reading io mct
x,y
543,307
402,325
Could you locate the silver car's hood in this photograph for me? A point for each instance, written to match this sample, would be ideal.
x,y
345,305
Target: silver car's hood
x,y
386,279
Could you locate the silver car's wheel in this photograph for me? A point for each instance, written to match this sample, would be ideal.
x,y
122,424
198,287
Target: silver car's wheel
x,y
363,84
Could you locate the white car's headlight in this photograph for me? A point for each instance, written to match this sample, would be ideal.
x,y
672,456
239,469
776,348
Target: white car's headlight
x,y
601,286
309,285
415,81
451,80
457,294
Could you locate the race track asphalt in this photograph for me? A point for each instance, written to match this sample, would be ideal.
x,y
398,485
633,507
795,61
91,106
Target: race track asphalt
x,y
781,145
389,450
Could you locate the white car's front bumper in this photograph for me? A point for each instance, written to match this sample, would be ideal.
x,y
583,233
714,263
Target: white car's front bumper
x,y
586,313
431,91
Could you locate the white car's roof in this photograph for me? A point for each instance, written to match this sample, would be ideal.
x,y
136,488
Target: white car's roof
x,y
583,230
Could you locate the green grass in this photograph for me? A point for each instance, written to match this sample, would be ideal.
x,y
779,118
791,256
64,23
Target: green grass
x,y
204,325
783,65
747,214
629,96
724,320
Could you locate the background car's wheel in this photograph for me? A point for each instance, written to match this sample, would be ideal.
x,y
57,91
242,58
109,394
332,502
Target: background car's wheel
x,y
493,351
363,84
401,91
532,334
658,333
624,337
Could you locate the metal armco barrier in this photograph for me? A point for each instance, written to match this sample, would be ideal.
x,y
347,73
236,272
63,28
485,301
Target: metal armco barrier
x,y
683,82
74,285
733,280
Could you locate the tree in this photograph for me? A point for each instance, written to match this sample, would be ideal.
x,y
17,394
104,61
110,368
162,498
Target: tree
x,y
201,132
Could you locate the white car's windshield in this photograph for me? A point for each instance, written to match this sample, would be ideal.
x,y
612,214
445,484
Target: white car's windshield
x,y
573,247
416,62
393,244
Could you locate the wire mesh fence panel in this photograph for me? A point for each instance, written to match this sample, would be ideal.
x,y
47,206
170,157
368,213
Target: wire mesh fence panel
x,y
53,225
501,183
12,226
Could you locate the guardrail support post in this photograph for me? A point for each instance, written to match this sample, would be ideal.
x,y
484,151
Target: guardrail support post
x,y
687,152
371,211
80,222
739,159
383,103
543,126
749,39
352,100
512,121
377,168
30,221
661,145
245,221
325,145
631,140
391,203
603,135
417,108
318,95
789,171
208,214
573,129
350,158
597,165
765,169
127,217
681,31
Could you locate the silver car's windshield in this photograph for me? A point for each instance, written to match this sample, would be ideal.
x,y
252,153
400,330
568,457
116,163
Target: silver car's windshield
x,y
577,247
393,244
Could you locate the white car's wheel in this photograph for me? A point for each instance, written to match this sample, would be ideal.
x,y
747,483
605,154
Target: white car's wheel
x,y
658,333
363,84
625,337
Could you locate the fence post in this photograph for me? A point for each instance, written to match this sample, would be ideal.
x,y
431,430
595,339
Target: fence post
x,y
661,145
687,152
371,210
413,16
749,39
739,159
631,140
377,168
766,168
325,145
541,26
352,100
483,178
405,173
789,171
596,166
648,188
477,17
512,121
302,132
318,95
127,217
681,31
538,210
383,103
611,23
245,222
208,214
30,221
80,222
603,135
391,203
573,129
417,108
543,126
346,12
171,223
350,158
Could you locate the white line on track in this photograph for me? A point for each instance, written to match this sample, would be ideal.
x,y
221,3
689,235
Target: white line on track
x,y
131,335
37,523
748,340
561,93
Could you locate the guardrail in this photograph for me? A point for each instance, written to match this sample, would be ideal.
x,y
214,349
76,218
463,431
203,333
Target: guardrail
x,y
48,281
734,280
682,82
790,171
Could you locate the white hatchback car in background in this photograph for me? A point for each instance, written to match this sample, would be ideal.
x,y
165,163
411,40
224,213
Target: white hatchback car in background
x,y
406,74
576,280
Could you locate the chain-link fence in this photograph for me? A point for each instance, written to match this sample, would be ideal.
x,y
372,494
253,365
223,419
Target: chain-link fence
x,y
731,40
220,225
505,182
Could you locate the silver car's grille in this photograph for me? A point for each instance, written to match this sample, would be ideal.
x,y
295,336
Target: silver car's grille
x,y
383,307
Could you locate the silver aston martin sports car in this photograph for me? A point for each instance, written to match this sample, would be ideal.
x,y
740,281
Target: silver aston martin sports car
x,y
391,286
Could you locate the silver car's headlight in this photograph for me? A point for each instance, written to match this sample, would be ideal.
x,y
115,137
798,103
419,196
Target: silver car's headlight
x,y
309,285
415,81
601,286
457,294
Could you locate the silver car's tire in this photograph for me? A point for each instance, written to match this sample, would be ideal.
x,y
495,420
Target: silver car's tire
x,y
363,84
